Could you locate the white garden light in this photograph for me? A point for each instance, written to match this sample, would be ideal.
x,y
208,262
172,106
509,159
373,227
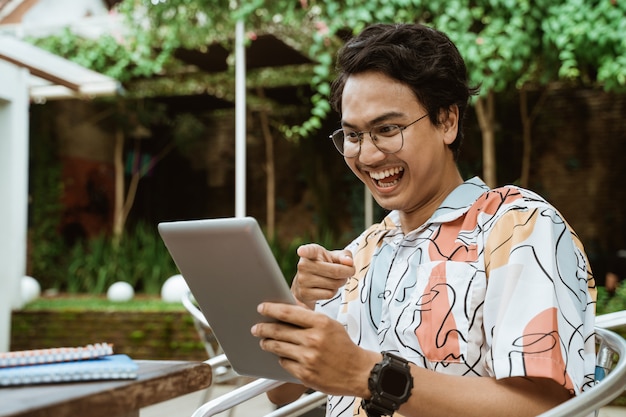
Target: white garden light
x,y
173,289
30,289
120,291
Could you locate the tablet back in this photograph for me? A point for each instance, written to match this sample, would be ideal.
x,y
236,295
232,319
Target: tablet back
x,y
230,269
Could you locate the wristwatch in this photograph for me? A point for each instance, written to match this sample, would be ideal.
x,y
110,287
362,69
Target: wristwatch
x,y
390,383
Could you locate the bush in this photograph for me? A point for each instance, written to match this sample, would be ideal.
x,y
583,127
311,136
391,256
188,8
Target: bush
x,y
609,304
140,258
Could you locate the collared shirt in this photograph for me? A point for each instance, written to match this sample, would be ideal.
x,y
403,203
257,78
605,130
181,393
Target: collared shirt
x,y
494,284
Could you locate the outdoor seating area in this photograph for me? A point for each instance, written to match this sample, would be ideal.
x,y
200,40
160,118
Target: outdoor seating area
x,y
379,194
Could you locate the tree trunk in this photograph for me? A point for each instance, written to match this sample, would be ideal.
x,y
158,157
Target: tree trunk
x,y
124,203
527,126
137,172
118,164
485,111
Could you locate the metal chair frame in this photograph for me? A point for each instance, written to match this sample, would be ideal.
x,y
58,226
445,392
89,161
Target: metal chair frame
x,y
222,371
610,380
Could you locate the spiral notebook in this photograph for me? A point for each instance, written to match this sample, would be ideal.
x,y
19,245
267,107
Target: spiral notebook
x,y
65,364
54,355
103,368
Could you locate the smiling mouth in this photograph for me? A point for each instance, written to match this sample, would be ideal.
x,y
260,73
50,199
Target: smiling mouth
x,y
387,177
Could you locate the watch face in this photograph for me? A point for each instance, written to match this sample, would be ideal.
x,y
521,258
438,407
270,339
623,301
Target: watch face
x,y
393,382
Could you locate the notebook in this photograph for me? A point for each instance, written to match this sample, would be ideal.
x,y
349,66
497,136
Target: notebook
x,y
104,368
52,355
230,269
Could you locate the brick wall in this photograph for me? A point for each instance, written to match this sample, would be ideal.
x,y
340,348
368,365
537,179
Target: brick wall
x,y
141,335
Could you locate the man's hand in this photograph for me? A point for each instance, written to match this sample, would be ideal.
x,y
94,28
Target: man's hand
x,y
315,349
320,273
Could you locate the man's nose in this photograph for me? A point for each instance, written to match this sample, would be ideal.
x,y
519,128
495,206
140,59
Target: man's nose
x,y
369,152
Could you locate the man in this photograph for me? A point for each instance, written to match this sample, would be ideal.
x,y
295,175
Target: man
x,y
464,301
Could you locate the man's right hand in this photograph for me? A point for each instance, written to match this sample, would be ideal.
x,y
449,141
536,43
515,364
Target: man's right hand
x,y
320,273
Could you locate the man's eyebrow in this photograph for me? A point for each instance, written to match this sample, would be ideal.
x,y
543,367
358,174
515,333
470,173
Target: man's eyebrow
x,y
377,120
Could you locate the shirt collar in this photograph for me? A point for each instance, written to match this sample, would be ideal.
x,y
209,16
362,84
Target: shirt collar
x,y
459,200
457,203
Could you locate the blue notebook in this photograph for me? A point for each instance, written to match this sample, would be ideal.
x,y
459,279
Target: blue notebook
x,y
107,367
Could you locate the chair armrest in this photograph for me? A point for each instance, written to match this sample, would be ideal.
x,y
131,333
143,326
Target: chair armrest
x,y
605,391
193,310
611,320
302,405
236,397
217,361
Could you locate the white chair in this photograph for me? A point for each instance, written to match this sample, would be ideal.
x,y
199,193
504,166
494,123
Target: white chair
x,y
255,388
610,376
222,371
611,320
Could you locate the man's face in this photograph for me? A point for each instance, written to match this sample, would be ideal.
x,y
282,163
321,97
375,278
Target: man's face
x,y
423,172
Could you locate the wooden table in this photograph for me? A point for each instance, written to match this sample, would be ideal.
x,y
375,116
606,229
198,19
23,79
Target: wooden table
x,y
157,381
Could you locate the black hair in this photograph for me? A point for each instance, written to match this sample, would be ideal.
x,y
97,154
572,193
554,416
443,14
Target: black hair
x,y
421,57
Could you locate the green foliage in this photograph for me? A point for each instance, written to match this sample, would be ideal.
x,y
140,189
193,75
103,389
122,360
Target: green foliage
x,y
140,259
610,304
122,60
45,243
506,43
589,39
90,267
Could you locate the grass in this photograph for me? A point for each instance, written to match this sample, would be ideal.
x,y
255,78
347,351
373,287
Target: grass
x,y
101,303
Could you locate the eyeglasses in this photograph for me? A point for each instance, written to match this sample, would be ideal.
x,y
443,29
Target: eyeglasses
x,y
386,138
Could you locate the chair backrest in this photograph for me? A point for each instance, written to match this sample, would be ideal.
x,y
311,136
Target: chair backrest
x,y
610,378
202,326
224,372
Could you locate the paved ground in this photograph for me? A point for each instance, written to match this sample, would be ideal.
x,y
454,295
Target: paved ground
x,y
259,406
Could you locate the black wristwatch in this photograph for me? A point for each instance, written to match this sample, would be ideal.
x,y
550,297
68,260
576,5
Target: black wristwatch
x,y
390,383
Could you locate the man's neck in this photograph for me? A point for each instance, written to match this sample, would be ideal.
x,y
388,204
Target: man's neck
x,y
412,220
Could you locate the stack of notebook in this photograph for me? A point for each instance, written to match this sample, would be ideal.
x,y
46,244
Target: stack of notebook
x,y
66,364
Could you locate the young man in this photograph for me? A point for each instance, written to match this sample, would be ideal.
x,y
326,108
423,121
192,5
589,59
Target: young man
x,y
464,301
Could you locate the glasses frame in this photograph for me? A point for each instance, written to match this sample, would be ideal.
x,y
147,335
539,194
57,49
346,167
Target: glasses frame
x,y
373,138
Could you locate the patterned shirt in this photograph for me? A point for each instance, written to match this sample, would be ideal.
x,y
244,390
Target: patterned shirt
x,y
494,284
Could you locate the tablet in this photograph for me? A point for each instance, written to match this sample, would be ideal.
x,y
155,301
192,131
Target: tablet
x,y
230,269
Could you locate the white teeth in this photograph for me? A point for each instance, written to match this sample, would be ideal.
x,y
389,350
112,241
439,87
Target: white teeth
x,y
386,173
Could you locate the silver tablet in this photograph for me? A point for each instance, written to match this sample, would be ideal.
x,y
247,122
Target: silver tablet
x,y
230,270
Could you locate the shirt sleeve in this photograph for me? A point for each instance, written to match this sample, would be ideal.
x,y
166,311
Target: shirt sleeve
x,y
539,309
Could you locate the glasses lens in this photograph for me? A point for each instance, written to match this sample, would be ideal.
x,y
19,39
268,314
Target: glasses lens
x,y
388,138
346,146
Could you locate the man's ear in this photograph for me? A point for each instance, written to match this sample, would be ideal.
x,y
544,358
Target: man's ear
x,y
450,123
